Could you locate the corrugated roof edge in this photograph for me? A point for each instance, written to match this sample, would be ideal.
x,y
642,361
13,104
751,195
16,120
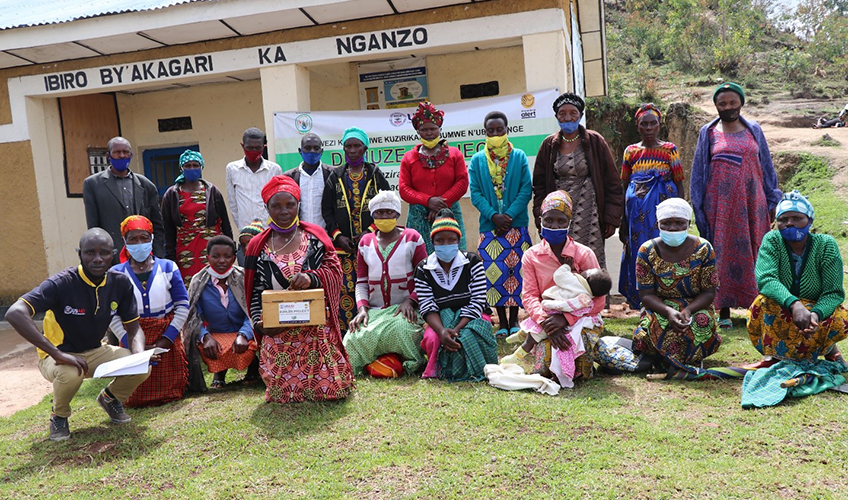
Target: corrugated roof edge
x,y
110,12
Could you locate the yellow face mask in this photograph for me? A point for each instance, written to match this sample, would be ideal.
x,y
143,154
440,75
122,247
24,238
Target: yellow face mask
x,y
496,142
385,225
430,144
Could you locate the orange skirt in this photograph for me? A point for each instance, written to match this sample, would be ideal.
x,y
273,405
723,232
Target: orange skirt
x,y
226,357
169,378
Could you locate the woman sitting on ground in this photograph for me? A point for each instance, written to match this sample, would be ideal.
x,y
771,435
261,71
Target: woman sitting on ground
x,y
386,321
163,307
297,363
798,316
676,277
218,327
451,288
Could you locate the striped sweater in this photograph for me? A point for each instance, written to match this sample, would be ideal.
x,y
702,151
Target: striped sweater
x,y
821,273
463,288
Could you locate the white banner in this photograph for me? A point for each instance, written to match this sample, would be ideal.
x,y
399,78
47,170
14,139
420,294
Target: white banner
x,y
390,131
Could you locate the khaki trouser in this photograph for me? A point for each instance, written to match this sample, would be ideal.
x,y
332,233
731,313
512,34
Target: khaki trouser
x,y
67,381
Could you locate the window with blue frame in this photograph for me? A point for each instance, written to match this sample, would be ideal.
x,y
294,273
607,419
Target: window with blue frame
x,y
162,166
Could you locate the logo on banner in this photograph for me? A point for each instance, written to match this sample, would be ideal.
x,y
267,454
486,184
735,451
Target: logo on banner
x,y
397,119
527,100
303,123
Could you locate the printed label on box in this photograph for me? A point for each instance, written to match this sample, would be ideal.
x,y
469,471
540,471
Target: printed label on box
x,y
294,312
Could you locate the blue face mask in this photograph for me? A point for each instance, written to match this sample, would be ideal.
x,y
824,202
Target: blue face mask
x,y
120,164
569,127
795,234
554,236
673,238
311,158
192,174
141,251
446,253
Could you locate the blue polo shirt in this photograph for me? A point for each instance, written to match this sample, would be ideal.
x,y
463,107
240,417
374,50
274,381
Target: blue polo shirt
x,y
77,312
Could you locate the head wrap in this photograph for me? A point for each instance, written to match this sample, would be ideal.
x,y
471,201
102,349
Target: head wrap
x,y
280,184
646,109
558,200
252,229
795,202
569,98
445,224
384,199
674,208
189,155
735,87
355,133
134,222
427,113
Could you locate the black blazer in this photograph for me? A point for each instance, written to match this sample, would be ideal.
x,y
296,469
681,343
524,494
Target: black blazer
x,y
337,212
216,209
104,207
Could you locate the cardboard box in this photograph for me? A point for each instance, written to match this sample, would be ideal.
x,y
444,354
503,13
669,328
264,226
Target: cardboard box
x,y
293,308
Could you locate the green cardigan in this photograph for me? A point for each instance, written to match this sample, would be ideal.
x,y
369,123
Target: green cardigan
x,y
821,273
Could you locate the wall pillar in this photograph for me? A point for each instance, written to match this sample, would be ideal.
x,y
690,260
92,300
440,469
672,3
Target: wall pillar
x,y
284,88
547,61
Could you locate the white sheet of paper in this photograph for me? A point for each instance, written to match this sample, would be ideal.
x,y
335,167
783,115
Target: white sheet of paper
x,y
294,312
134,364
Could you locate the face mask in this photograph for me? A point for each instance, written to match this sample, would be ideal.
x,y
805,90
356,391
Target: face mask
x,y
430,144
192,174
673,238
446,253
120,164
569,127
385,225
285,230
554,236
252,156
730,115
218,275
311,158
496,142
795,234
141,251
356,163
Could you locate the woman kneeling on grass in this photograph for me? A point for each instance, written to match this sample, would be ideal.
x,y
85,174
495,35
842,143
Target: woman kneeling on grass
x,y
300,363
385,294
798,315
451,288
218,326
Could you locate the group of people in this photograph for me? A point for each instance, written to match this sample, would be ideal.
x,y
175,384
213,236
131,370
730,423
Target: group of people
x,y
413,298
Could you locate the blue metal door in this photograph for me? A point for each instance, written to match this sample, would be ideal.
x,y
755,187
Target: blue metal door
x,y
162,166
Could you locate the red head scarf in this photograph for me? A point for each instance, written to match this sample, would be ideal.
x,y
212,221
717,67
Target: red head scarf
x,y
646,109
427,113
132,223
280,184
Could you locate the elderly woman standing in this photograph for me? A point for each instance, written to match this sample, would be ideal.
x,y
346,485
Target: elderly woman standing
x,y
300,363
433,175
734,192
501,189
451,288
348,190
163,307
650,173
385,293
677,280
193,212
579,162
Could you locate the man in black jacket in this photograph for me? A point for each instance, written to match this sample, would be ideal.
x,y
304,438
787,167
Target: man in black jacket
x,y
116,193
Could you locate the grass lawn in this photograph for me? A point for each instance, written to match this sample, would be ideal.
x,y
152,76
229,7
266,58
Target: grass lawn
x,y
610,437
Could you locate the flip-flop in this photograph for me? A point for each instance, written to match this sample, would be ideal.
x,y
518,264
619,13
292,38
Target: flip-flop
x,y
502,333
217,384
514,330
725,323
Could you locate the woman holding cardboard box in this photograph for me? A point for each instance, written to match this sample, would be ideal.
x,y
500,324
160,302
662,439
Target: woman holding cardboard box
x,y
297,363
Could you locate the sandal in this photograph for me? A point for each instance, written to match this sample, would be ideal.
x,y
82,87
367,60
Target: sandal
x,y
502,333
217,384
514,330
725,323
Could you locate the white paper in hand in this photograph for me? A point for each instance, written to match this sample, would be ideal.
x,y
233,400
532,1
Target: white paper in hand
x,y
134,364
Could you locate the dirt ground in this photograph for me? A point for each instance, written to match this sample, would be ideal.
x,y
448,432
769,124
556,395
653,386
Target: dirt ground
x,y
21,384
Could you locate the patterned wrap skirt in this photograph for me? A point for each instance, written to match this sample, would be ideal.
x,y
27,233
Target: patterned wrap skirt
x,y
305,363
479,348
502,261
226,357
386,333
584,365
347,299
680,350
417,219
773,332
169,378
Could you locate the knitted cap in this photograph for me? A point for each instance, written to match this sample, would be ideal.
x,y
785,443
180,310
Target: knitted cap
x,y
252,229
444,222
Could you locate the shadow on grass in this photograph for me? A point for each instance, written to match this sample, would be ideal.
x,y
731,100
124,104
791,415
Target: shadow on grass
x,y
290,420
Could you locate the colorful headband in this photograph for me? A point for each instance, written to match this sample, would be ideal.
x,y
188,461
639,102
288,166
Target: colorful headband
x,y
647,109
134,222
558,200
427,113
189,155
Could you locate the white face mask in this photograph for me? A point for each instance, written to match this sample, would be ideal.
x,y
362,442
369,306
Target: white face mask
x,y
218,275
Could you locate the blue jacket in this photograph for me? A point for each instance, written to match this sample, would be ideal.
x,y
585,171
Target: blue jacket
x,y
701,173
517,190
